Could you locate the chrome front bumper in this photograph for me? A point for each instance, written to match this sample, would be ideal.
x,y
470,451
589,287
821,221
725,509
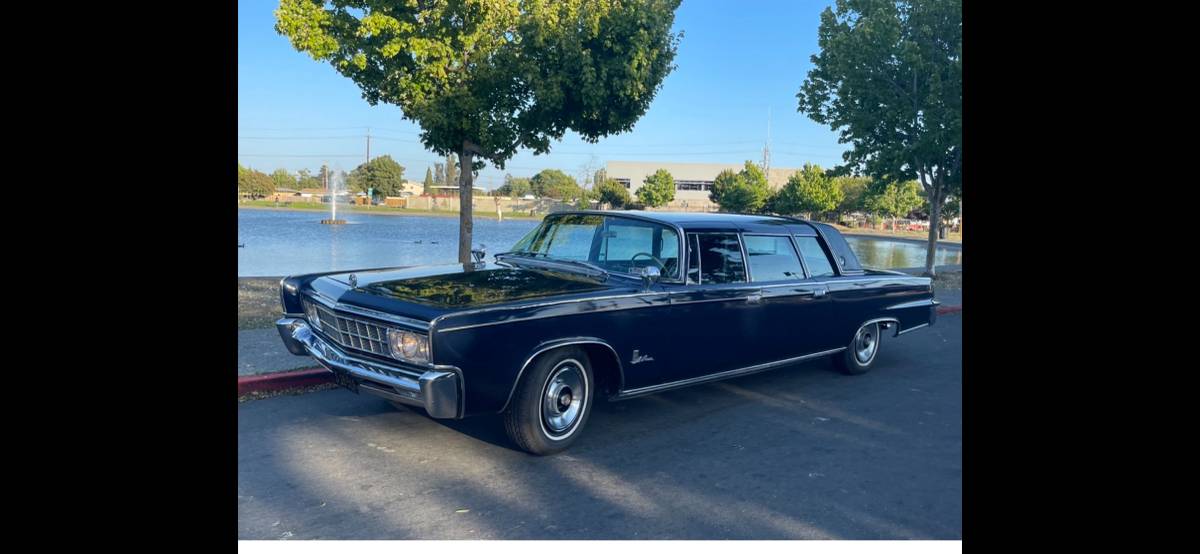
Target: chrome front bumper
x,y
438,389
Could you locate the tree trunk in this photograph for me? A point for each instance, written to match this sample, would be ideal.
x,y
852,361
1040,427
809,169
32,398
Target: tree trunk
x,y
935,216
465,193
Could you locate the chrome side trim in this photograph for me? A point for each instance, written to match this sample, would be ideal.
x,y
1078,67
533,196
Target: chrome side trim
x,y
913,328
437,320
632,393
914,304
547,346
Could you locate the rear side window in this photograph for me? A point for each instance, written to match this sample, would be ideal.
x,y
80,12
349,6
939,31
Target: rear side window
x,y
720,258
815,257
772,258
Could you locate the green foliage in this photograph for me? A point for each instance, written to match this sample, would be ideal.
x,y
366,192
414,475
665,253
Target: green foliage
x,y
893,199
428,189
451,173
854,190
484,78
514,186
254,184
305,180
743,192
889,79
382,174
809,190
283,179
613,193
657,190
552,183
499,74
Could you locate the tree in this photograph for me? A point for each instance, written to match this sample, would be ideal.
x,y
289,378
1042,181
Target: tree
x,y
743,192
854,189
439,174
612,193
382,175
657,190
893,199
484,78
552,183
889,78
514,186
283,179
451,172
305,180
255,184
808,190
428,188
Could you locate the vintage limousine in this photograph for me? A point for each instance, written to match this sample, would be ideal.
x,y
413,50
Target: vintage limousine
x,y
608,305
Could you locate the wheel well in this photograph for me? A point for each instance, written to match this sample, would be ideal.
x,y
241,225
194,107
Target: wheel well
x,y
605,367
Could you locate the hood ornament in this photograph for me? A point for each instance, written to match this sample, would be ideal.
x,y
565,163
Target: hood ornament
x,y
353,281
478,255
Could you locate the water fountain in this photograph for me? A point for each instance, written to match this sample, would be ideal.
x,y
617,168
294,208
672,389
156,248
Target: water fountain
x,y
331,186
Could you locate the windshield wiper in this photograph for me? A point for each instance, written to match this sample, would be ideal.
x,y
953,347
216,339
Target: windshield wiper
x,y
547,260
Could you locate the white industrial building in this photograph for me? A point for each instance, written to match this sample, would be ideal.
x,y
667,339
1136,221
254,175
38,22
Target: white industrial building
x,y
692,180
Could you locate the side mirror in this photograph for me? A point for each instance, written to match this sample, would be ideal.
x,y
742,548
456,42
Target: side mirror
x,y
650,275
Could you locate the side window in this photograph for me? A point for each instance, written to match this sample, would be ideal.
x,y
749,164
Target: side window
x,y
772,258
815,257
693,245
720,258
630,246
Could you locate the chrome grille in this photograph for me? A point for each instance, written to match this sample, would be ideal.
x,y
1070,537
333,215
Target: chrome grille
x,y
352,332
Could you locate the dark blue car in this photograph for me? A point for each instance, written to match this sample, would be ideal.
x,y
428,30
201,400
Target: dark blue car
x,y
608,305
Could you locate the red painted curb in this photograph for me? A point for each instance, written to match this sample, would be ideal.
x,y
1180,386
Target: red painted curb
x,y
949,309
283,380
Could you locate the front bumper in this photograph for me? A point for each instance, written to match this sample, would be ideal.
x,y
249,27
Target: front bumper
x,y
438,389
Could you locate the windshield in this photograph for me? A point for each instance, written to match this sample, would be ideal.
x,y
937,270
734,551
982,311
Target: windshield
x,y
615,244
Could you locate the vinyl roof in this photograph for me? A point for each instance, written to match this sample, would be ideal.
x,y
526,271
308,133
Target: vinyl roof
x,y
699,220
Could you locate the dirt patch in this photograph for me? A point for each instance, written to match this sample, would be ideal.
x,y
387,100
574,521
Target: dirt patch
x,y
258,302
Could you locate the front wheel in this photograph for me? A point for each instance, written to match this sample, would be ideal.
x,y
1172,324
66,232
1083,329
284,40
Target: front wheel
x,y
861,353
552,402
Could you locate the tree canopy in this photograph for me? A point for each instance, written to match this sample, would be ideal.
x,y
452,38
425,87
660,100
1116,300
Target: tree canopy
x,y
808,190
484,78
254,184
553,183
428,185
382,174
893,199
889,78
514,186
657,189
283,179
613,193
743,192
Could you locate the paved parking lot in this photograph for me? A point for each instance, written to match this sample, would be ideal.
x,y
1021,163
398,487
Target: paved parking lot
x,y
799,452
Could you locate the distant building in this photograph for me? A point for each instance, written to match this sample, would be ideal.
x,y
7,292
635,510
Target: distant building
x,y
693,181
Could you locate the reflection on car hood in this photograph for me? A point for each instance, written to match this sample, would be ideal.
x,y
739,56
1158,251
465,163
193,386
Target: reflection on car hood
x,y
459,286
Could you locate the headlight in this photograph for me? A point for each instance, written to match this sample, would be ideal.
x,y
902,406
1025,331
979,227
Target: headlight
x,y
408,346
310,311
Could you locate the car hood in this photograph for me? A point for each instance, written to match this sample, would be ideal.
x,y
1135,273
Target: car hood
x,y
427,292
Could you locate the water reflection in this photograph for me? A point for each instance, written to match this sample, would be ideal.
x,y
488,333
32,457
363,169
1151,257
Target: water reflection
x,y
883,253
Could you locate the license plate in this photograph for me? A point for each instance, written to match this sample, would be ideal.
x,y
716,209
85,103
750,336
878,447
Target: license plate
x,y
344,379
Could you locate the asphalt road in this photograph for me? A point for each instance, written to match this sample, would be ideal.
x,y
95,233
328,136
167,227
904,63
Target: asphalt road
x,y
798,452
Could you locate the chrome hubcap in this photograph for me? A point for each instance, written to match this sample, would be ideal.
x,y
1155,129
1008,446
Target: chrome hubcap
x,y
866,343
563,398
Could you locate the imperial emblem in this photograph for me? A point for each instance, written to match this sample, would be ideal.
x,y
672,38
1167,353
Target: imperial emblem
x,y
637,359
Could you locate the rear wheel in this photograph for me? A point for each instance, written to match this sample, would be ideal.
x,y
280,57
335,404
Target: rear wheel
x,y
552,402
863,349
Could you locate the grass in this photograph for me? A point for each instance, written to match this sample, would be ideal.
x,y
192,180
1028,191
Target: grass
x,y
378,210
887,232
258,302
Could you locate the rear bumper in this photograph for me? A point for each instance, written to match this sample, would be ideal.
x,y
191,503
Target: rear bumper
x,y
439,390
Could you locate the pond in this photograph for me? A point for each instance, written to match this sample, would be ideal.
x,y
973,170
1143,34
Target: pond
x,y
282,242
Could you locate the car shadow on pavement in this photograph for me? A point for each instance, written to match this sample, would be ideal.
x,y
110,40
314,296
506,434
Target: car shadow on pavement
x,y
799,452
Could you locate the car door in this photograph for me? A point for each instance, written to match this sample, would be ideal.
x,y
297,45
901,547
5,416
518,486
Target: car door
x,y
794,310
713,315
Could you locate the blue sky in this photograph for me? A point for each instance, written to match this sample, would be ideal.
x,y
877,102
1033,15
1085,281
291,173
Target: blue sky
x,y
737,61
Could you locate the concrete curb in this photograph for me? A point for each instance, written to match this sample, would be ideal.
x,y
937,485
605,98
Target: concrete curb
x,y
282,380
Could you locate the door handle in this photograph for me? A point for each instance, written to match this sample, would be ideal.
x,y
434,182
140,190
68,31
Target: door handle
x,y
754,298
820,292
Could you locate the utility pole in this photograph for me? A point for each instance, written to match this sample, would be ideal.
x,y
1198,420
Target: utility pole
x,y
368,145
767,148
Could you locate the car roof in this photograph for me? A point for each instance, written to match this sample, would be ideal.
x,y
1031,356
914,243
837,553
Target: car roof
x,y
702,221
